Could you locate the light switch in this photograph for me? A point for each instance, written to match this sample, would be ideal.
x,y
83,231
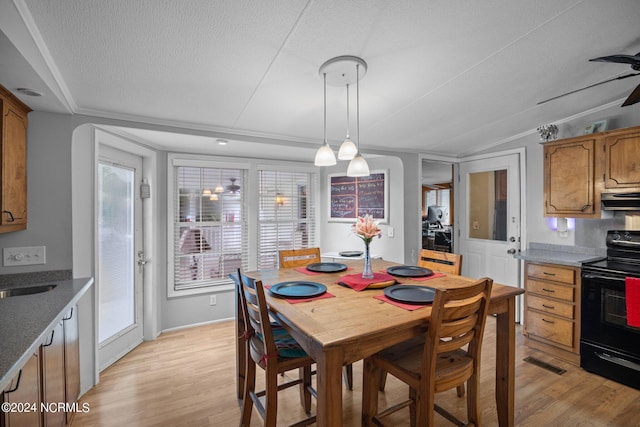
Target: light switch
x,y
23,256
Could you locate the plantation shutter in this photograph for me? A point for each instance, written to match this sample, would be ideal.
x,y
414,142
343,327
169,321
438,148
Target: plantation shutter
x,y
287,214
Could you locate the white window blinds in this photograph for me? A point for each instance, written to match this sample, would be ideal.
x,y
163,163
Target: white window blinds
x,y
210,225
287,214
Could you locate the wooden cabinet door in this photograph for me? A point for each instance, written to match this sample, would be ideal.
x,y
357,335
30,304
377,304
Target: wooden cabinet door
x,y
13,152
622,159
53,382
569,178
71,358
24,389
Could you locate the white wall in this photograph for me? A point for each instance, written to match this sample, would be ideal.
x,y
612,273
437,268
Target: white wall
x,y
337,236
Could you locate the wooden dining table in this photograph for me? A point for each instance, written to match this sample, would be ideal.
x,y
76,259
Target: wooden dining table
x,y
353,325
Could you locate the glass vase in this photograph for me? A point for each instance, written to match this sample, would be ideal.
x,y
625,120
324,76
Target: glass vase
x,y
367,272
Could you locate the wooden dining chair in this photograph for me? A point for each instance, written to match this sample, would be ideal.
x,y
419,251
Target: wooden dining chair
x,y
443,262
298,257
271,348
436,361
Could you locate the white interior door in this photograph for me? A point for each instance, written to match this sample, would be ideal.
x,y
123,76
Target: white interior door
x,y
489,220
119,278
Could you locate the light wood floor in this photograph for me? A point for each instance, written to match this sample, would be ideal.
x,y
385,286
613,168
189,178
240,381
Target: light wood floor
x,y
187,378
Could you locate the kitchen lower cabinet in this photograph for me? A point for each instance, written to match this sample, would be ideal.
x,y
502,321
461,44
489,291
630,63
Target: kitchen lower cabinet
x,y
71,359
23,397
53,377
552,309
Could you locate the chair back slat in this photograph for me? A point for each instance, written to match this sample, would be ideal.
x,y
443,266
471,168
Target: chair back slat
x,y
298,257
443,262
255,310
457,319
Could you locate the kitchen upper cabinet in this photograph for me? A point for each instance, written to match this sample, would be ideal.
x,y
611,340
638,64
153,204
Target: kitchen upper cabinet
x,y
13,152
622,159
24,390
572,178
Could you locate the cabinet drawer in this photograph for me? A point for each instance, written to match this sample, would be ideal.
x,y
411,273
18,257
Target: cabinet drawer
x,y
550,306
552,272
553,290
550,327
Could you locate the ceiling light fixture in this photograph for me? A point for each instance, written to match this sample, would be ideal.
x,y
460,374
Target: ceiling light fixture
x,y
343,71
325,155
218,189
348,148
358,166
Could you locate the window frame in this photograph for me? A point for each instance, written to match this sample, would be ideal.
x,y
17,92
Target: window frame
x,y
251,207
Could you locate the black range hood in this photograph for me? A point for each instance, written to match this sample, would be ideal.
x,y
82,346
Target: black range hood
x,y
620,201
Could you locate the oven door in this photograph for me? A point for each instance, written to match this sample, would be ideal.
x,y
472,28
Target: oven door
x,y
608,346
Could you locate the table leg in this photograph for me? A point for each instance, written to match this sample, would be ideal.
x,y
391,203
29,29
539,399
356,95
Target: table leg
x,y
329,388
505,363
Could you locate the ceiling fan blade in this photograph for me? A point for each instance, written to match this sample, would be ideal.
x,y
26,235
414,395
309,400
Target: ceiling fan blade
x,y
588,87
621,59
633,98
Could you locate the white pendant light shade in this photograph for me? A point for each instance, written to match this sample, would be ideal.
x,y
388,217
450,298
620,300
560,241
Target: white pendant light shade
x,y
348,150
325,156
358,167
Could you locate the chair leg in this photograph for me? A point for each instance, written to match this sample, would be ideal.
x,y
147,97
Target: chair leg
x,y
271,399
305,394
347,375
370,379
460,390
473,407
249,387
383,380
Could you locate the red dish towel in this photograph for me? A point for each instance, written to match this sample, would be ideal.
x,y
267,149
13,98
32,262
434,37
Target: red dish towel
x,y
632,285
357,283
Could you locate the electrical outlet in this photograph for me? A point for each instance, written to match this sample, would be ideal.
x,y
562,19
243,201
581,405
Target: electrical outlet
x,y
213,299
390,231
23,256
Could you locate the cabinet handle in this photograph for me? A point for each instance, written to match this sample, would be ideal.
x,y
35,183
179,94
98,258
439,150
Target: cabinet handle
x,y
11,218
17,383
548,306
585,207
548,290
70,315
547,321
51,340
546,273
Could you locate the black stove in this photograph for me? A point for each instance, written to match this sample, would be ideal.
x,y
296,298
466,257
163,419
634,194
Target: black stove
x,y
608,345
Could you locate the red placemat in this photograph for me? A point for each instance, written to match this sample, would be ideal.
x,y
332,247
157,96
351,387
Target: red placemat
x,y
305,271
409,307
357,283
632,290
297,300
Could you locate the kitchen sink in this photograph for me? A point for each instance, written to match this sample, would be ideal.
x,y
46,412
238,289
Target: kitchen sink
x,y
29,290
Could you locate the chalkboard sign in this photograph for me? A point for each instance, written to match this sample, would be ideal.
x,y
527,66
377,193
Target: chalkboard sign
x,y
350,197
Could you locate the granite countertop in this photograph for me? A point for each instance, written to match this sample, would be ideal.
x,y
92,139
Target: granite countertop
x,y
26,321
559,254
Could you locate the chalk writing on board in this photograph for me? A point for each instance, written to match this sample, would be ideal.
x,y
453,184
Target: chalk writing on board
x,y
356,196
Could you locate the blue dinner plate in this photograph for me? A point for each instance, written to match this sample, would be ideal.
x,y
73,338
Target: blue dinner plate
x,y
298,289
409,271
326,267
410,294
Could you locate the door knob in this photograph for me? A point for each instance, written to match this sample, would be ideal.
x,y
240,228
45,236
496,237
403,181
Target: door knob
x,y
512,239
511,251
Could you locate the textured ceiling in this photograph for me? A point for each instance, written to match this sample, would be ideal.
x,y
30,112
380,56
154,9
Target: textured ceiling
x,y
444,77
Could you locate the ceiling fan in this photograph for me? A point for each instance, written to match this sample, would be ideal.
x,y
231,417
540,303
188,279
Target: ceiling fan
x,y
633,60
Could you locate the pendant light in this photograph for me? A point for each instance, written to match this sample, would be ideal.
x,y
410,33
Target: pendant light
x,y
348,148
325,155
358,166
